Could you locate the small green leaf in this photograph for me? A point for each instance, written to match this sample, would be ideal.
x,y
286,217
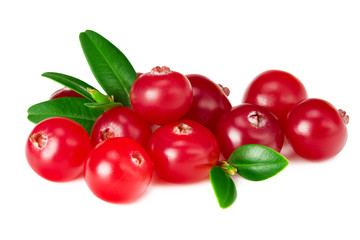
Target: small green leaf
x,y
103,106
109,65
224,187
256,162
75,84
69,107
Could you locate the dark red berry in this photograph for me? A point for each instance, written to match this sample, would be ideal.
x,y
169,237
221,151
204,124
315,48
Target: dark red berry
x,y
249,124
65,92
120,122
209,101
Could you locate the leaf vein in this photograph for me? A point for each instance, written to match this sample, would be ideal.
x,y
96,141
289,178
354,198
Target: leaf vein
x,y
111,67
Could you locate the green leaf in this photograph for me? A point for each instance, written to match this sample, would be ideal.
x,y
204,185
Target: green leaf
x,y
69,107
224,187
103,106
75,84
109,65
256,162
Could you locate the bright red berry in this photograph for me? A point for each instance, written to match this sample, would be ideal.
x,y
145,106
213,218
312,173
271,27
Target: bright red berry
x,y
183,151
249,124
161,96
209,101
121,122
118,170
276,90
316,130
57,148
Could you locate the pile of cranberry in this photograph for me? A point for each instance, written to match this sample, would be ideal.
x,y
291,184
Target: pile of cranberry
x,y
180,126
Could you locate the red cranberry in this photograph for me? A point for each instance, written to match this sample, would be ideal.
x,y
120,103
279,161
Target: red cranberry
x,y
276,90
57,149
161,96
118,170
209,101
183,151
316,130
120,122
65,92
249,124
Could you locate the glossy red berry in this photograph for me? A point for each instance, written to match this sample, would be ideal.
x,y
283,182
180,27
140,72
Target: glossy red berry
x,y
121,122
161,96
57,148
118,170
249,124
65,92
209,101
183,151
276,90
316,130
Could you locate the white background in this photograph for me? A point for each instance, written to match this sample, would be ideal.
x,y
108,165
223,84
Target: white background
x,y
230,42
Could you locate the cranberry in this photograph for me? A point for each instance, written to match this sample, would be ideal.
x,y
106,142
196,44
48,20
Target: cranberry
x,y
316,130
209,101
57,148
248,124
65,92
183,151
120,122
118,170
161,96
277,91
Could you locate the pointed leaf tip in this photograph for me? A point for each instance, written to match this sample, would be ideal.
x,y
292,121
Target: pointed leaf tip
x,y
73,83
109,65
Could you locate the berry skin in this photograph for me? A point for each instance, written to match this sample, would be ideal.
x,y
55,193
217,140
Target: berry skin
x,y
161,96
248,124
183,151
316,130
209,101
65,92
276,90
57,148
118,170
121,122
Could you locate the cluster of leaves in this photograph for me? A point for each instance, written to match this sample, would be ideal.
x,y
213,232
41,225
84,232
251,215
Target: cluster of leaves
x,y
116,75
253,162
112,70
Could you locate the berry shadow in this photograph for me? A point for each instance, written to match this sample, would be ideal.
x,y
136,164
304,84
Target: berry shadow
x,y
157,181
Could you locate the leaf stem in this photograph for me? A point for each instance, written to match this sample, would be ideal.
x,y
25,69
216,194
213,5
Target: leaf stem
x,y
99,97
229,169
